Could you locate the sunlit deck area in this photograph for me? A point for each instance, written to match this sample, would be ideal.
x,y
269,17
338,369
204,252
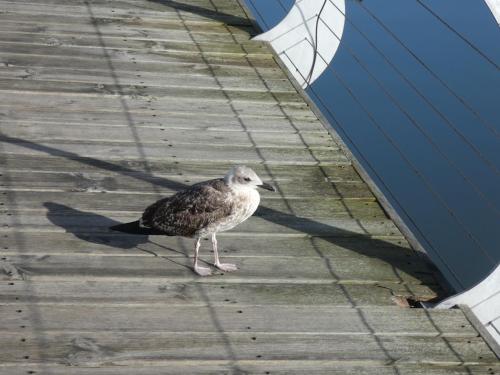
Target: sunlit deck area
x,y
106,106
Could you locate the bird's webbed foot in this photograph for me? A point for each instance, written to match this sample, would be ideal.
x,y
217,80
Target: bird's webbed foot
x,y
202,271
226,267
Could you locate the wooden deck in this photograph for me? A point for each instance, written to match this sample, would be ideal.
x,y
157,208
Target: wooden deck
x,y
105,106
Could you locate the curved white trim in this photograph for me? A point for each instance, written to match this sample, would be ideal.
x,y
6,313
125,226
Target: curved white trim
x,y
293,38
484,302
494,6
472,297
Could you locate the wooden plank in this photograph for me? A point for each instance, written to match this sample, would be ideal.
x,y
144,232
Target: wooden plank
x,y
167,136
267,222
103,75
391,249
104,10
86,197
172,120
383,320
154,293
228,46
173,68
251,367
312,190
260,58
234,154
185,19
110,56
16,100
158,169
177,267
156,92
135,5
169,31
97,46
395,251
172,34
114,348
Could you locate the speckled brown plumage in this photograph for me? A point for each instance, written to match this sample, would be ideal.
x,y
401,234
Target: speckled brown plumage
x,y
190,211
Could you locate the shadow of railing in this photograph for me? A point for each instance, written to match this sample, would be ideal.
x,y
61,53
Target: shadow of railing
x,y
359,243
228,19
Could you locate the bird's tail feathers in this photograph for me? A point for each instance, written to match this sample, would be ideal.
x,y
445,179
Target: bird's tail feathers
x,y
135,227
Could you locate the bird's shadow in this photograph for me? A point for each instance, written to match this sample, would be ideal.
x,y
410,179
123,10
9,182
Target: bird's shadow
x,y
94,228
58,215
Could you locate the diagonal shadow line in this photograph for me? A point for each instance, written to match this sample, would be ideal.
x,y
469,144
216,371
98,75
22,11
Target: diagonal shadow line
x,y
101,164
215,15
360,243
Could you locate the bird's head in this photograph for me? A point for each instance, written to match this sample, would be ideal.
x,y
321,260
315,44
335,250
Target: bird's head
x,y
241,177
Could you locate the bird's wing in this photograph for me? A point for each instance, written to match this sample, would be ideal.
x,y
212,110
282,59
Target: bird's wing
x,y
190,210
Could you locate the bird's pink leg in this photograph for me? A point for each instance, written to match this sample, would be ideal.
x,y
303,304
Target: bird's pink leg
x,y
202,271
228,267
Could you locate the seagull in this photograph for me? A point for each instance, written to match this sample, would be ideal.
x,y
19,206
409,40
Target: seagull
x,y
203,210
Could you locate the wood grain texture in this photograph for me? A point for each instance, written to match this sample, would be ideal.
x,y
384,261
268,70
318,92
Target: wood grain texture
x,y
115,348
257,366
178,268
390,321
108,105
168,293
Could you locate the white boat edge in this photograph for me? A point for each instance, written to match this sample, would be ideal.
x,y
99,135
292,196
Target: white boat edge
x,y
494,6
302,33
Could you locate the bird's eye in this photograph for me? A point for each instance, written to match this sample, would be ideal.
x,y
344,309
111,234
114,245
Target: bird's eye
x,y
247,179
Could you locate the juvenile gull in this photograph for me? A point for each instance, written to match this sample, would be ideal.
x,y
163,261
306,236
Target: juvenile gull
x,y
203,210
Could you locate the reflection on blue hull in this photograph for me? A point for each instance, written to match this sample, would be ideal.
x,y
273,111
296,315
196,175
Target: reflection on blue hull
x,y
413,91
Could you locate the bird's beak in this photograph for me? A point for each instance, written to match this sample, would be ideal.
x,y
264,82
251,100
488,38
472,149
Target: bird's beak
x,y
267,187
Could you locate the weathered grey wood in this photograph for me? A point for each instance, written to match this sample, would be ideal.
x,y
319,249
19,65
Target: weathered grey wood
x,y
131,4
98,16
99,22
179,93
225,47
211,67
84,31
393,320
164,293
166,136
234,154
171,31
313,189
176,12
123,10
87,196
103,75
108,348
251,367
267,222
111,55
158,169
138,104
177,120
394,250
176,267
228,76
